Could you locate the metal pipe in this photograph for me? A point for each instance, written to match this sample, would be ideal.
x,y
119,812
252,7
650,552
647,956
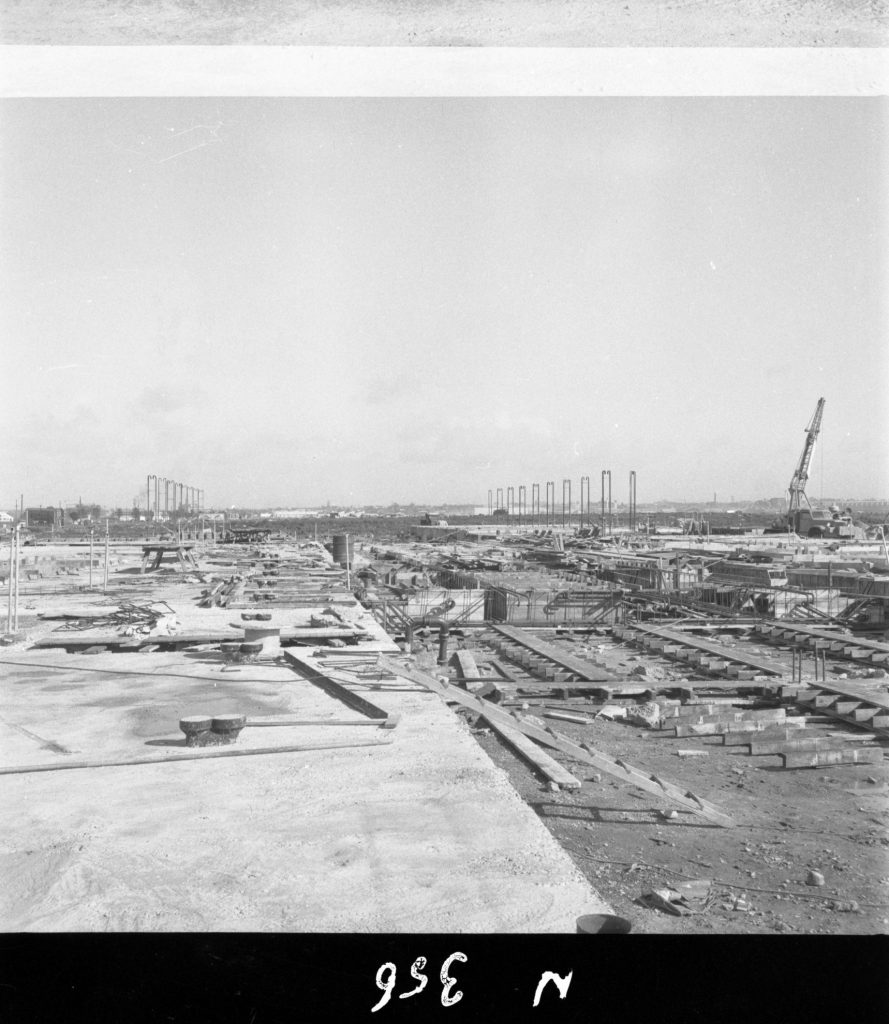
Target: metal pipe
x,y
585,479
523,502
443,644
510,502
550,505
535,503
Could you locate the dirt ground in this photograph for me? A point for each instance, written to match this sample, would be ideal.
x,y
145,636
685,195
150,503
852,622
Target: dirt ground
x,y
445,23
833,821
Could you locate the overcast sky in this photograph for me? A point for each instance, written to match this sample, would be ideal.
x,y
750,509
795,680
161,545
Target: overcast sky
x,y
290,301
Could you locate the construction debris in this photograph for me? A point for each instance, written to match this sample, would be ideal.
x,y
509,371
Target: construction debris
x,y
625,649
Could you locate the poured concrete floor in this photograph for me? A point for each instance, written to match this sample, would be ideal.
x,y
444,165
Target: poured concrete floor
x,y
423,833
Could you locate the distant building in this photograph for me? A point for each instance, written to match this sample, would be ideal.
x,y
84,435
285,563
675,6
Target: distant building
x,y
48,516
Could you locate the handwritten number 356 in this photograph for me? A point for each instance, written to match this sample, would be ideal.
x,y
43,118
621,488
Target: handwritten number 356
x,y
387,985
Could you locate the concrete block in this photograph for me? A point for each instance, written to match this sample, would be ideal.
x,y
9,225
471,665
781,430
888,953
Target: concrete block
x,y
850,755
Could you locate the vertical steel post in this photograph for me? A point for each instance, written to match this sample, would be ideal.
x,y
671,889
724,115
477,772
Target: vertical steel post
x,y
550,503
11,563
510,502
632,523
490,502
585,518
610,520
523,502
535,503
17,567
105,575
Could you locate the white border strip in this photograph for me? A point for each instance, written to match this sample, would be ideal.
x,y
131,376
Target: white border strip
x,y
76,71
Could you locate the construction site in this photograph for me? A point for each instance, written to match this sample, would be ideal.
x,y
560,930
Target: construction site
x,y
553,716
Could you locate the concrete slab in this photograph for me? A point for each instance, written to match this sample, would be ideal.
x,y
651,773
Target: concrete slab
x,y
423,834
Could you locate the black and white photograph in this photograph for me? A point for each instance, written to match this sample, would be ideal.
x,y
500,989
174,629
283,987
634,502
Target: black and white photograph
x,y
441,522
447,23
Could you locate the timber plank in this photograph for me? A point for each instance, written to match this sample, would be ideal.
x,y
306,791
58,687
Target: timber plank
x,y
587,671
817,758
333,688
583,753
538,758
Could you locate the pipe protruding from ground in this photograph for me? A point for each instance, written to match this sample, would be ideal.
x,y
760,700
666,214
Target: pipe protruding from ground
x,y
443,644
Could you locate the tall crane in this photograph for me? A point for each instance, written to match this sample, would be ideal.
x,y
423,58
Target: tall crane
x,y
809,521
797,489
